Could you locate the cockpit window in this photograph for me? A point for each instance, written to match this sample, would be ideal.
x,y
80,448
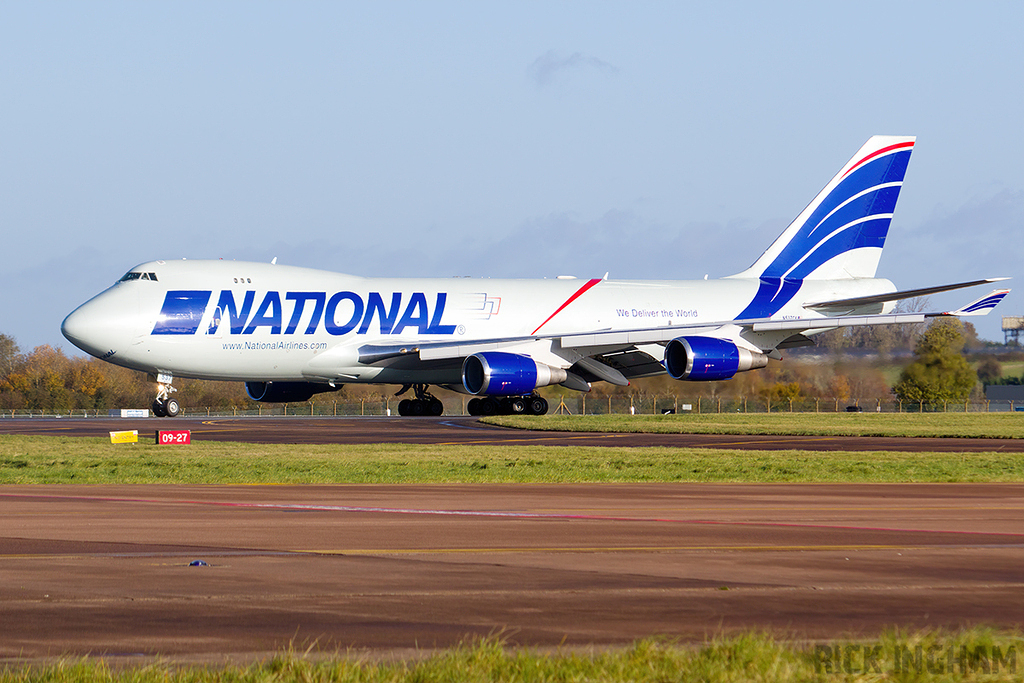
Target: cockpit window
x,y
138,276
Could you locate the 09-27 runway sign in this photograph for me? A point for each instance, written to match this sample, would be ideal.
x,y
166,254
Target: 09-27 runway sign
x,y
173,437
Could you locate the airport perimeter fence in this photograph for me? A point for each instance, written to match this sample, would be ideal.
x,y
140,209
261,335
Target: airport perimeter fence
x,y
575,405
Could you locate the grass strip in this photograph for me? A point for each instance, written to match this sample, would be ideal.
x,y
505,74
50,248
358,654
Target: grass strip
x,y
76,460
939,425
976,654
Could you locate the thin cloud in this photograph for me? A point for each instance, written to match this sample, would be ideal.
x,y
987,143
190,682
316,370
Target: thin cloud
x,y
970,239
550,66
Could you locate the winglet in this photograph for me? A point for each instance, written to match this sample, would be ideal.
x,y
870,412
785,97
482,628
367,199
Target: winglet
x,y
983,305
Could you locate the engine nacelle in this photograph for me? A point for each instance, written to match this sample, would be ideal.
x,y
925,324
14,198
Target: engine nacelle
x,y
285,392
497,373
706,359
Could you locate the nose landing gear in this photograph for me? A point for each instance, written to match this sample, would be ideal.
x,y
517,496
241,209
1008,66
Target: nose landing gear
x,y
163,404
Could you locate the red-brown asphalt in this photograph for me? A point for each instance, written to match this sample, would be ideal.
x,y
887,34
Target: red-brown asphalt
x,y
103,570
465,430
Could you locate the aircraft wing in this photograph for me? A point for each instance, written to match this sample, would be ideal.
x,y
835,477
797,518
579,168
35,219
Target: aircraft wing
x,y
602,340
617,355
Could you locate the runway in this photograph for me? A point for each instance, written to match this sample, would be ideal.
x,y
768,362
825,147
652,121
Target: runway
x,y
468,430
105,570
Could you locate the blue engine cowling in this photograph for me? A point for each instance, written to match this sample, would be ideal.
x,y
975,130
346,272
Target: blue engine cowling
x,y
498,373
707,359
285,392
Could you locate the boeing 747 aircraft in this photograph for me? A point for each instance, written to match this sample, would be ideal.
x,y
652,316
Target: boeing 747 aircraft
x,y
290,333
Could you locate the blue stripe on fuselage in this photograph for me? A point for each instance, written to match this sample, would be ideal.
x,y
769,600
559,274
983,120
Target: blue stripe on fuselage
x,y
183,311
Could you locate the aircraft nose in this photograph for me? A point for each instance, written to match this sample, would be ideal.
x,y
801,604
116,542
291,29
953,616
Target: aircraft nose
x,y
85,329
101,326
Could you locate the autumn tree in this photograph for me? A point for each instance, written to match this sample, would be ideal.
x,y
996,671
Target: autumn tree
x,y
939,371
839,387
13,382
989,370
781,392
10,355
47,379
48,372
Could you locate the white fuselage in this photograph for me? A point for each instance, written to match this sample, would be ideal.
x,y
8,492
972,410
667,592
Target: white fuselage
x,y
233,320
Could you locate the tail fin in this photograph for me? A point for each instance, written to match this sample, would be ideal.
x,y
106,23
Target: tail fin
x,y
841,233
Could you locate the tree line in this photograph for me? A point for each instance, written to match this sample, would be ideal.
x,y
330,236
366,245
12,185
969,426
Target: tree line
x,y
47,379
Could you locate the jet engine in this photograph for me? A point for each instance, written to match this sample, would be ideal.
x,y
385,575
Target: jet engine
x,y
706,359
497,373
285,392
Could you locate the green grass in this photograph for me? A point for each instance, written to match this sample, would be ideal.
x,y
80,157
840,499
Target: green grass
x,y
67,460
956,425
738,658
1013,369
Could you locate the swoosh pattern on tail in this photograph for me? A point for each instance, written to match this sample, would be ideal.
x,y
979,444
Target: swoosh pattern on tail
x,y
841,233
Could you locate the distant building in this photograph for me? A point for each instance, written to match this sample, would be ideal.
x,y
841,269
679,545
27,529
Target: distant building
x,y
1013,327
1005,397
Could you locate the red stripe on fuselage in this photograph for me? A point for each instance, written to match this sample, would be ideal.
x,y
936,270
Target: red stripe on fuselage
x,y
878,153
579,292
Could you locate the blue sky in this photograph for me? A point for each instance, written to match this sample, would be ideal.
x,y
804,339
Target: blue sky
x,y
657,140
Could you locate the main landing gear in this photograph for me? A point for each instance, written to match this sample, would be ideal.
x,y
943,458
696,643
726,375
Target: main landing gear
x,y
423,404
508,405
163,404
426,404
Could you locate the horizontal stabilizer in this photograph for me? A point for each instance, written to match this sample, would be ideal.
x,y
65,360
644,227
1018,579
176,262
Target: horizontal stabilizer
x,y
983,305
844,304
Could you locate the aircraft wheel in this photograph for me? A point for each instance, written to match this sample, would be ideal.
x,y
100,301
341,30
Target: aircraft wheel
x,y
435,408
517,406
171,408
403,407
473,407
538,406
158,409
488,406
416,407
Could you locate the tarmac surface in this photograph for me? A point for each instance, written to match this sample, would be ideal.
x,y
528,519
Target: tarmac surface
x,y
468,430
104,570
